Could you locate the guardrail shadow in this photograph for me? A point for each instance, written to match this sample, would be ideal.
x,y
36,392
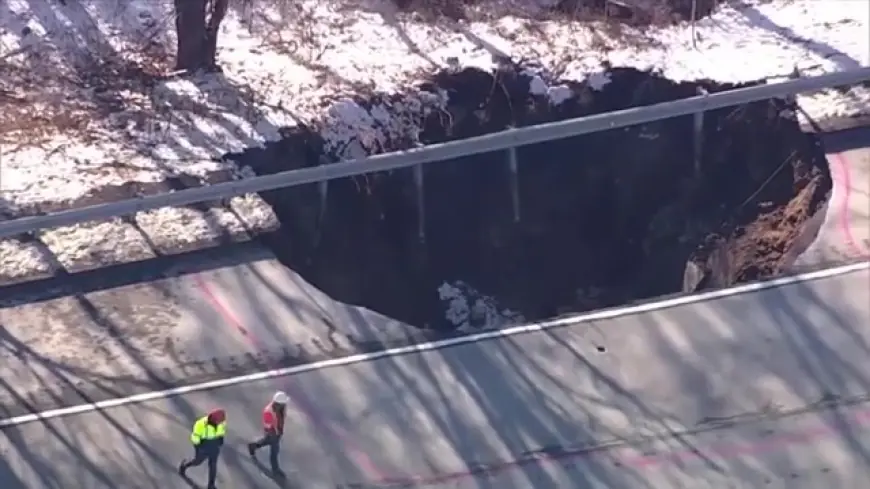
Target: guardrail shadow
x,y
762,357
135,447
469,420
623,402
671,399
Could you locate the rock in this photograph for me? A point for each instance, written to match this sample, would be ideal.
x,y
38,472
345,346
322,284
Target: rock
x,y
623,213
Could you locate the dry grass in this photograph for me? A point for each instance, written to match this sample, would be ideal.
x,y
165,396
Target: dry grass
x,y
46,92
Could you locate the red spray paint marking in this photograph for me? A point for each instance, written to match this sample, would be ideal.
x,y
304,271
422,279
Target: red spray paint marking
x,y
725,451
360,457
845,208
722,451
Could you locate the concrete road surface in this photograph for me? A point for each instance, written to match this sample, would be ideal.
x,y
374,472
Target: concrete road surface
x,y
845,234
228,311
764,389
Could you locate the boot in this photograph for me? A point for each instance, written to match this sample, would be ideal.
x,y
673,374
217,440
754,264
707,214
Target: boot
x,y
252,449
182,468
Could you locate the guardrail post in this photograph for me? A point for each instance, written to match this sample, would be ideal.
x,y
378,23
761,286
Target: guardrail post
x,y
323,192
513,167
794,75
323,189
421,203
699,136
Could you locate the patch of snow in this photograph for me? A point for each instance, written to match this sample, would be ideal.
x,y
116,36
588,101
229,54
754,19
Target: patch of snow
x,y
597,81
79,118
469,310
559,94
538,86
21,260
374,128
148,234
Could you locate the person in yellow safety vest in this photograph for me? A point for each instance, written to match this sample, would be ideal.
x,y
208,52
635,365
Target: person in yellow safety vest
x,y
207,438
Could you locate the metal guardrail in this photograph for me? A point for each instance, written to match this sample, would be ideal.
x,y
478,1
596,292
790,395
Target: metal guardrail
x,y
438,152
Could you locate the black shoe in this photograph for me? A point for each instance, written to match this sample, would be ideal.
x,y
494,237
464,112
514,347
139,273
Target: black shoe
x,y
278,473
252,449
182,468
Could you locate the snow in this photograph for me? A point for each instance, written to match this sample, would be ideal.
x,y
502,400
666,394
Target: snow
x,y
87,104
469,310
352,131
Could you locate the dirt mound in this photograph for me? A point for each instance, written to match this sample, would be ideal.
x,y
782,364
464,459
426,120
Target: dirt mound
x,y
602,219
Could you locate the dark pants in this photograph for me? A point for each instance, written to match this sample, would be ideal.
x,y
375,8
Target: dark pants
x,y
204,453
273,441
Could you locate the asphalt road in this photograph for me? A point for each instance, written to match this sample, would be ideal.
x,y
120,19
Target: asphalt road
x,y
765,389
845,234
234,310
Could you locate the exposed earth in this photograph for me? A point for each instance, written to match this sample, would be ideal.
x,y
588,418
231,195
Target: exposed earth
x,y
604,219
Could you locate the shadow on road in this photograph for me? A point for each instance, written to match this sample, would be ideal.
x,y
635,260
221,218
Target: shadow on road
x,y
637,401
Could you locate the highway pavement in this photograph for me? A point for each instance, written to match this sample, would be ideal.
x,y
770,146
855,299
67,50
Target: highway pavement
x,y
845,234
224,312
763,389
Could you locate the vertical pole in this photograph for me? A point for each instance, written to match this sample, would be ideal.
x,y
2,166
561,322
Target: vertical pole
x,y
421,203
513,167
323,190
699,137
794,75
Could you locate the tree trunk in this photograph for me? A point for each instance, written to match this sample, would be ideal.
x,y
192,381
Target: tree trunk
x,y
197,23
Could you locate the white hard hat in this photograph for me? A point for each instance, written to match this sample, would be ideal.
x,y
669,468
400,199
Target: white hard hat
x,y
280,398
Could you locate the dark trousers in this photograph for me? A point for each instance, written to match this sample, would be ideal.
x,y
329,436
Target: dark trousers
x,y
204,453
273,441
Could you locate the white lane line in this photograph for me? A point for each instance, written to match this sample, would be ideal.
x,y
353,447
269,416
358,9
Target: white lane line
x,y
435,345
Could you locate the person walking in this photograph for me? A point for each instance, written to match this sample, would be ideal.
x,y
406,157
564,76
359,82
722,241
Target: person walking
x,y
207,438
273,430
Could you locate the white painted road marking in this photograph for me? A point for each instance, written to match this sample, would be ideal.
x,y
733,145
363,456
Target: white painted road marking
x,y
435,345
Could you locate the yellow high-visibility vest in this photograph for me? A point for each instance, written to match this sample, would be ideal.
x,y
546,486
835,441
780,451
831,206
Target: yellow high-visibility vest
x,y
202,430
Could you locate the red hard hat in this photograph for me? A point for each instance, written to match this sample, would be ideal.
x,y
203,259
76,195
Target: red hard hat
x,y
217,415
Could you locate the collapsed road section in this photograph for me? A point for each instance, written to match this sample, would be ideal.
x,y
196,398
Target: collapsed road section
x,y
562,226
165,322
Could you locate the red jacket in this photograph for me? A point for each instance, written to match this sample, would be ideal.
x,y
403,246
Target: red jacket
x,y
273,421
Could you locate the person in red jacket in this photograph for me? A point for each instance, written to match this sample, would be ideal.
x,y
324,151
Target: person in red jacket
x,y
273,429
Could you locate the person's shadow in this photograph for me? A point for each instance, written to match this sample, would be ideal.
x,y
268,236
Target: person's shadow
x,y
283,480
190,482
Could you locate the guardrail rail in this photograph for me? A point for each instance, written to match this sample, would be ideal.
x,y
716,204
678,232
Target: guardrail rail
x,y
438,152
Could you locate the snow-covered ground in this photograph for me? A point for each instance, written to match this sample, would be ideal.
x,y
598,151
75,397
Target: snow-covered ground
x,y
86,104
